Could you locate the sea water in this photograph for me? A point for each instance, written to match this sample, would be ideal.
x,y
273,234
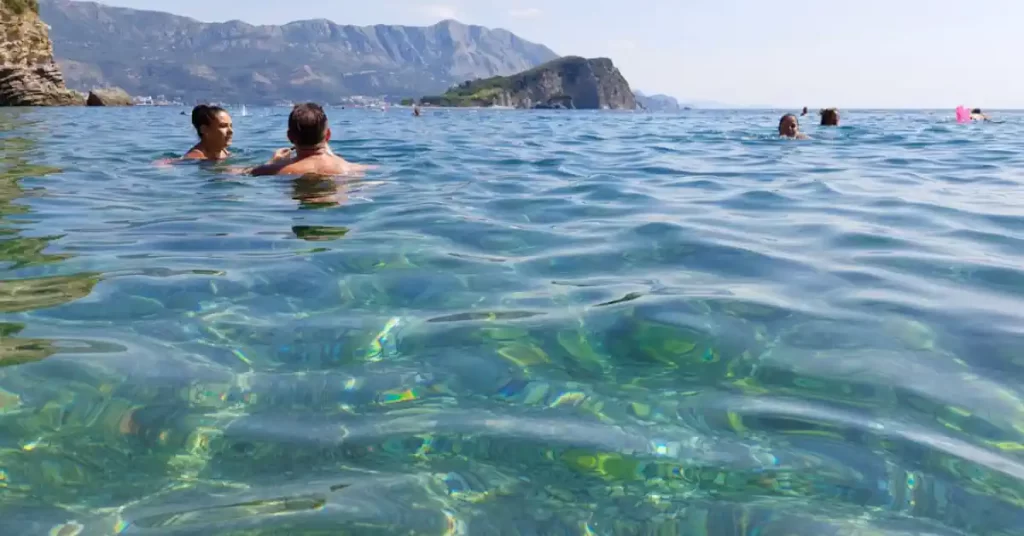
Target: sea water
x,y
518,323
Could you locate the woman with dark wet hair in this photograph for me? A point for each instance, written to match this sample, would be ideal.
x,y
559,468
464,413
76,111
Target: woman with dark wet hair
x,y
789,127
978,115
830,117
215,130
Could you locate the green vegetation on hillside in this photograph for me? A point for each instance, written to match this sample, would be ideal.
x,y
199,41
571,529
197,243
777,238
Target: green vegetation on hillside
x,y
20,6
482,92
485,92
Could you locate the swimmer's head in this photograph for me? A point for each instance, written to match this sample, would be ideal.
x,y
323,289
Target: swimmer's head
x,y
213,124
789,126
976,111
307,125
830,117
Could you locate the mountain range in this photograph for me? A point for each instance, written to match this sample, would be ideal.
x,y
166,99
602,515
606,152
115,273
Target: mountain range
x,y
153,53
657,103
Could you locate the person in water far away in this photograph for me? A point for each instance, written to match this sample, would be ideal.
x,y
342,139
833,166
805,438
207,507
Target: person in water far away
x,y
789,127
830,117
803,113
311,155
213,124
977,115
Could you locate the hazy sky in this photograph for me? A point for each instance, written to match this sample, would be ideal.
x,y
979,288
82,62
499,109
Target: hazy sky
x,y
846,53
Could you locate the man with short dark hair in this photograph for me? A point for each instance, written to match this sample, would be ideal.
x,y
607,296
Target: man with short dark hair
x,y
311,155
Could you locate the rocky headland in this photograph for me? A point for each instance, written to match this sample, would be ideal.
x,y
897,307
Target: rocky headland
x,y
28,74
571,82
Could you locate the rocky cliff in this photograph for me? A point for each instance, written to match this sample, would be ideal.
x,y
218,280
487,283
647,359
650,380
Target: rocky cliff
x,y
28,74
570,82
153,53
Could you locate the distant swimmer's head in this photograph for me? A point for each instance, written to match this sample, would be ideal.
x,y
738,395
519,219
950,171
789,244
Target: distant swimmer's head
x,y
307,126
789,126
976,111
213,124
804,112
830,117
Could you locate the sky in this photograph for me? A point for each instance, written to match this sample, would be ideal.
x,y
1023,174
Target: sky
x,y
780,53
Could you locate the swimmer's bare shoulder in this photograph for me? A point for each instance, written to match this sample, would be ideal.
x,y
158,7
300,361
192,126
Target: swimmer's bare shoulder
x,y
328,166
281,159
269,169
348,168
302,167
197,153
193,154
359,167
324,167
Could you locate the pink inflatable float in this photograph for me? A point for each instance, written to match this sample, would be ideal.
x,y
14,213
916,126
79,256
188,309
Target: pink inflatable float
x,y
963,114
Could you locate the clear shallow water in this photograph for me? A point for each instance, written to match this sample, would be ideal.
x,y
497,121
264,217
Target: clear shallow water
x,y
521,323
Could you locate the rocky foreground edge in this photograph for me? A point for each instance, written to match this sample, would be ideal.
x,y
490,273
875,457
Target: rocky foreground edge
x,y
29,76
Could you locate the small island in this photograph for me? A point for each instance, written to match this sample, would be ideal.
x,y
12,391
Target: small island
x,y
571,82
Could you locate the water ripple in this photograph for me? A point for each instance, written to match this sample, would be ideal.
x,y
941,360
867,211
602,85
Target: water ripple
x,y
520,323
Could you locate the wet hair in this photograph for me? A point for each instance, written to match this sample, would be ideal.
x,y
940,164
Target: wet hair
x,y
204,115
783,120
976,111
830,117
307,124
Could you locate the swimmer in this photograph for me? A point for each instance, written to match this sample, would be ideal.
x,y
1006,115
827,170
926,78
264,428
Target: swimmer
x,y
803,113
213,124
311,155
416,110
830,117
977,115
789,127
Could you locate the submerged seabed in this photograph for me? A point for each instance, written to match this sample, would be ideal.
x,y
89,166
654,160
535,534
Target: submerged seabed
x,y
521,323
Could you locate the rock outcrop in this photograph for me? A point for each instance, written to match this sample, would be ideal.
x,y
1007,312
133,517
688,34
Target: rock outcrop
x,y
113,96
28,74
571,82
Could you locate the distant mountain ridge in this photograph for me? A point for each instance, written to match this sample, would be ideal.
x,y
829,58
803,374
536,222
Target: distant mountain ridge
x,y
154,53
657,103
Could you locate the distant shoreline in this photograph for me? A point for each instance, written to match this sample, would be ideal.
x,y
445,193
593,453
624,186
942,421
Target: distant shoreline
x,y
778,109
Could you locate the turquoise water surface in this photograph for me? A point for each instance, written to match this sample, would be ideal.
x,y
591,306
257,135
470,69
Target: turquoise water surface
x,y
520,323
